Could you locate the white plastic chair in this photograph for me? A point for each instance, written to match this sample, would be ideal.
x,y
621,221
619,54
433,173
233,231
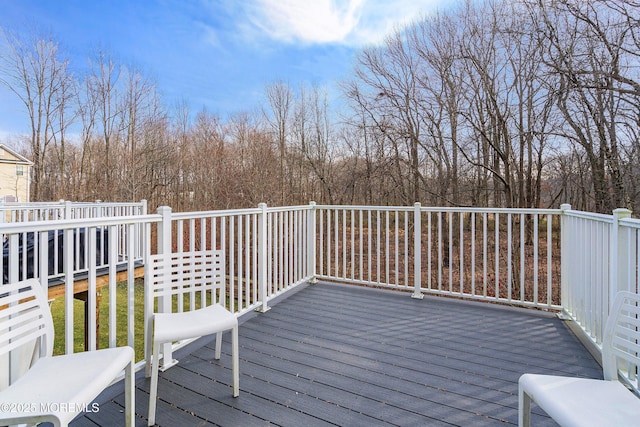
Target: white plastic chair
x,y
189,274
589,402
53,388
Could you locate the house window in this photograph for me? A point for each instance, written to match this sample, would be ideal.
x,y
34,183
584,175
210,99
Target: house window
x,y
19,170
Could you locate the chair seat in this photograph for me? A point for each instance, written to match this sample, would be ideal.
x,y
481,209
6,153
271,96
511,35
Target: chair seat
x,y
582,401
66,384
169,327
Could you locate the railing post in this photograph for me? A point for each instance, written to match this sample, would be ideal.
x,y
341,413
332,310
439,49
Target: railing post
x,y
91,303
417,251
68,259
564,256
618,266
68,210
262,257
143,234
164,304
311,242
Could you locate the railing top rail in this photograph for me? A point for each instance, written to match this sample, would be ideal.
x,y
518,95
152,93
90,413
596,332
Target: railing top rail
x,y
446,209
26,205
35,226
589,215
290,208
213,214
493,210
365,208
235,212
630,222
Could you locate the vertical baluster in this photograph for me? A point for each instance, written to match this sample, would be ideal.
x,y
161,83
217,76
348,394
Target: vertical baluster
x,y
396,221
450,221
473,252
549,259
461,250
535,259
361,244
406,250
131,314
353,244
113,263
497,254
336,244
485,253
522,254
233,282
378,254
386,250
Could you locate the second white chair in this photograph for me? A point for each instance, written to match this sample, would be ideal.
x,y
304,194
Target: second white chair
x,y
585,402
188,274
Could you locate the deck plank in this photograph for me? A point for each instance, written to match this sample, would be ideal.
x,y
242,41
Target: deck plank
x,y
333,354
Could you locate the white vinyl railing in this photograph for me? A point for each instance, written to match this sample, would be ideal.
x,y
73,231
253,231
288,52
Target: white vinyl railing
x,y
122,241
51,211
27,243
601,259
265,248
552,259
502,255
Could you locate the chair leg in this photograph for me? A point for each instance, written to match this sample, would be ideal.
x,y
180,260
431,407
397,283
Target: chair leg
x,y
153,390
235,365
218,345
129,393
524,408
148,339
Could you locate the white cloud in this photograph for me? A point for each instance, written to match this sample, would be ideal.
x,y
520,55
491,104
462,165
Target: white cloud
x,y
318,21
350,22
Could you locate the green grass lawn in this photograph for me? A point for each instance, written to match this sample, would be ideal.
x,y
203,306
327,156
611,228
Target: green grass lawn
x,y
57,311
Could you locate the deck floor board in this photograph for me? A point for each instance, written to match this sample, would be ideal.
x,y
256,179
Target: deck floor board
x,y
344,355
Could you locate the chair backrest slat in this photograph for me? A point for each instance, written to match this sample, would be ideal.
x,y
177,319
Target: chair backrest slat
x,y
621,342
187,273
24,316
26,329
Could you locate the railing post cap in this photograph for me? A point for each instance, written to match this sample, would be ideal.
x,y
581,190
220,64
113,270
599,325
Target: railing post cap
x,y
312,203
417,204
622,213
262,206
565,206
162,209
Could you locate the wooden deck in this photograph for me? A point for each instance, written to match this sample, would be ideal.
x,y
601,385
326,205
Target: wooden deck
x,y
344,355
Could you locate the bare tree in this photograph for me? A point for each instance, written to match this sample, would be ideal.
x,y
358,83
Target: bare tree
x,y
103,83
592,48
312,135
35,69
138,110
280,99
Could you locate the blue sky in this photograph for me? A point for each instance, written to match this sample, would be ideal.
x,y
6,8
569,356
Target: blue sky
x,y
212,53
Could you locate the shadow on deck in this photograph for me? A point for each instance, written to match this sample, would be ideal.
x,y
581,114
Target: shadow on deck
x,y
350,356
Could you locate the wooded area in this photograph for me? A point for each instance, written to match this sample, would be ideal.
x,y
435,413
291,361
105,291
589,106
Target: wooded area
x,y
526,103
